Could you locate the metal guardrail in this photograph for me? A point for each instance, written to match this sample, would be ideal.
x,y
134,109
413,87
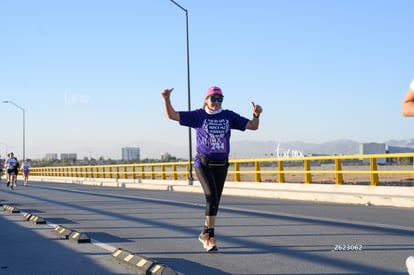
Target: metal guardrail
x,y
257,170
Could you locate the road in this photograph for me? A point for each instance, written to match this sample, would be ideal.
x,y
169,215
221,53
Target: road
x,y
255,235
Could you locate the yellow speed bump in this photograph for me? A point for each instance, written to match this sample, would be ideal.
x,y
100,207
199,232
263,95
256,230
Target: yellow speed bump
x,y
37,220
62,232
141,264
26,216
161,269
11,209
79,237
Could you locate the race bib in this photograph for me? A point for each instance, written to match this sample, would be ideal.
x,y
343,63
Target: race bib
x,y
216,130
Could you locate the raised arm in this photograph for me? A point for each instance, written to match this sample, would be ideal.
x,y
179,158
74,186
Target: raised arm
x,y
253,124
171,113
408,102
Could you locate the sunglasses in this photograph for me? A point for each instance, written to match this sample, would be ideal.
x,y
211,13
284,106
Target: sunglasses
x,y
216,99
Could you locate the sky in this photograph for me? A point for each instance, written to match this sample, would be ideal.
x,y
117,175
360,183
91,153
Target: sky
x,y
89,74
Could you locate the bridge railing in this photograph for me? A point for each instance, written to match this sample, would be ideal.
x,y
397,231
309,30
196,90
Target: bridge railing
x,y
335,169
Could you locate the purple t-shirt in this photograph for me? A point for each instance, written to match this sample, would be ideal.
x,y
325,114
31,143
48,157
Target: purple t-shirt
x,y
213,131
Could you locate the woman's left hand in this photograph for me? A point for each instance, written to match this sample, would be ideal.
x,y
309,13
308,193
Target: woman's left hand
x,y
257,109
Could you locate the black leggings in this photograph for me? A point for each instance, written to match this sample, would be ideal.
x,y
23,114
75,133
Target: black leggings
x,y
212,180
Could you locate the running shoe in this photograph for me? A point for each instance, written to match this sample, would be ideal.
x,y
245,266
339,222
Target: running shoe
x,y
209,244
410,265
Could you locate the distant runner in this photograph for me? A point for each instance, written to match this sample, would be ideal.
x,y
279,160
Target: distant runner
x,y
11,167
26,170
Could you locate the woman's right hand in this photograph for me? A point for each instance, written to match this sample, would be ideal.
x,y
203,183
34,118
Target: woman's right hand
x,y
171,113
166,93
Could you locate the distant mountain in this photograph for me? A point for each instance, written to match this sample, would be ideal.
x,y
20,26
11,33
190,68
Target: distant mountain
x,y
401,143
241,149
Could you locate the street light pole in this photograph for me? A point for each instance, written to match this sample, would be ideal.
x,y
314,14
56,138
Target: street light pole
x,y
24,126
190,177
7,149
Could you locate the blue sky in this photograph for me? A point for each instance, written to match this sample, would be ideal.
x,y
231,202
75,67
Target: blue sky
x,y
89,73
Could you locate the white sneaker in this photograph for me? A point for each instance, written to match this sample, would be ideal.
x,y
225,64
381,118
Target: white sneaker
x,y
209,244
410,265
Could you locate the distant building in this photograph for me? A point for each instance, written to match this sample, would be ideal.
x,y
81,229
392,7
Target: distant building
x,y
51,156
398,149
130,153
373,148
68,156
166,156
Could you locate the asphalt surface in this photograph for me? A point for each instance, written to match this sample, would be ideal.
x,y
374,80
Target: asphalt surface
x,y
255,236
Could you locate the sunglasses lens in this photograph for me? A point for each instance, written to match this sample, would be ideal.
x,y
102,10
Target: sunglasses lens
x,y
216,99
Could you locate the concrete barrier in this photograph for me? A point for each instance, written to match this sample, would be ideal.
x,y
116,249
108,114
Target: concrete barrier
x,y
397,196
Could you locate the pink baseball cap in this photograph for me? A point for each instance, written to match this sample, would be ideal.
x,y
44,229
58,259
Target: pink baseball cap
x,y
214,90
